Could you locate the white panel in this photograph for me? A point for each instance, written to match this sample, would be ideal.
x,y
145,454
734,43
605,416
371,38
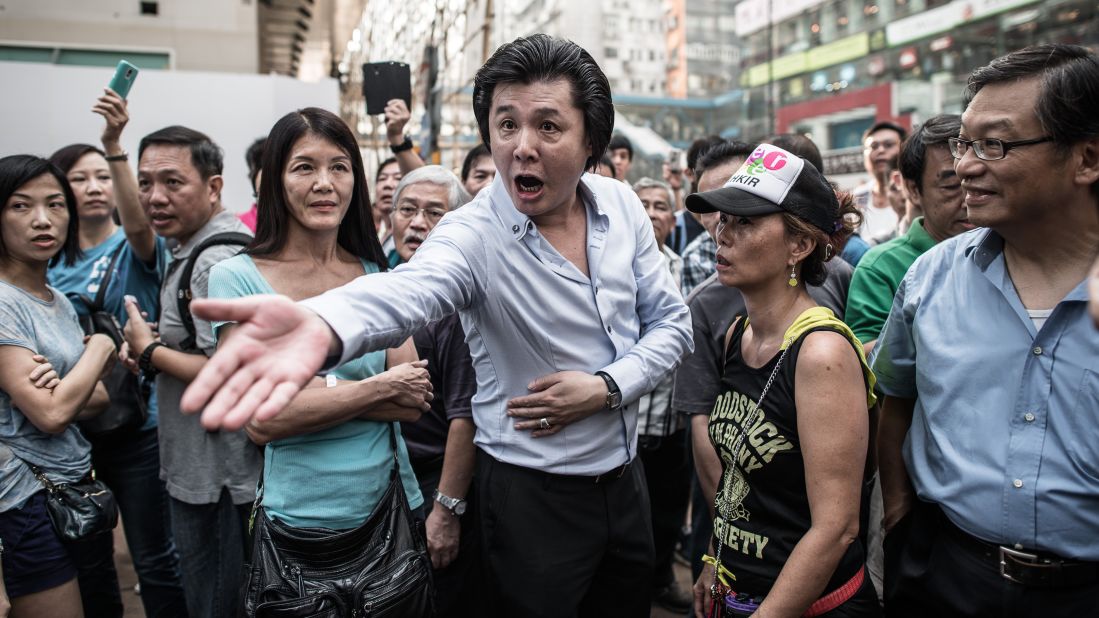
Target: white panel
x,y
49,106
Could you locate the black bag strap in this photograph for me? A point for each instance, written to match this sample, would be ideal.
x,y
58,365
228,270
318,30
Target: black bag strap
x,y
101,294
183,292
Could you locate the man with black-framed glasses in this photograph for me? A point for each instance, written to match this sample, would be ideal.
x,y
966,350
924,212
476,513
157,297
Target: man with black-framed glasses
x,y
986,449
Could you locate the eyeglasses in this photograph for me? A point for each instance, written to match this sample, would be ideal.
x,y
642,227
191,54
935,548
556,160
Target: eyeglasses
x,y
989,149
409,212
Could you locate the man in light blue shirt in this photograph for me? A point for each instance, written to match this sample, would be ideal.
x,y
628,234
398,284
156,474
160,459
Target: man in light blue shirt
x,y
570,314
988,459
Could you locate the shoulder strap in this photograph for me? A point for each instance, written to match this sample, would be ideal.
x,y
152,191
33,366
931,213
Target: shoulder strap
x,y
822,318
183,292
729,338
101,294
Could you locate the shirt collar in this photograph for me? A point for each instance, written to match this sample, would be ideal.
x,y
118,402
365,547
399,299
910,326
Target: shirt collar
x,y
220,222
518,224
918,236
983,246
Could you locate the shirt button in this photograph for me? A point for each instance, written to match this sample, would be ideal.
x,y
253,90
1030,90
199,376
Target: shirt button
x,y
1028,417
608,328
1037,350
515,228
1017,483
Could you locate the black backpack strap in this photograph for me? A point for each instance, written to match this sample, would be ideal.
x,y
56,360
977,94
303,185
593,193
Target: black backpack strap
x,y
101,294
183,292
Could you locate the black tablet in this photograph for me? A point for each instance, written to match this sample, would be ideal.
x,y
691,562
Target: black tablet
x,y
385,81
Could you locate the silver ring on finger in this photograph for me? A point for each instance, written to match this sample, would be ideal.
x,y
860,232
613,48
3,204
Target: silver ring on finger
x,y
544,423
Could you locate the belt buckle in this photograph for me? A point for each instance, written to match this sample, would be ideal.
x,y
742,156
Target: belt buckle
x,y
1020,557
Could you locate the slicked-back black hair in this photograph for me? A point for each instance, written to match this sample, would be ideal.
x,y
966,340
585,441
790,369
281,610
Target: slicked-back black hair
x,y
357,234
934,132
206,156
18,170
541,58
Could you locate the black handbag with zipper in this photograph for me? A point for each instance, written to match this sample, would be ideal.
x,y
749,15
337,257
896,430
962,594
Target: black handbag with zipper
x,y
378,569
129,395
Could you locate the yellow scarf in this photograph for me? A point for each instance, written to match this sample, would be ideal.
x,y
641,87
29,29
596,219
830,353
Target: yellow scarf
x,y
823,316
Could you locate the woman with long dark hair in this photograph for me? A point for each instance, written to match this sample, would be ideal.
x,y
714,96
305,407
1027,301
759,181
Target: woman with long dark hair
x,y
39,227
119,249
791,429
328,455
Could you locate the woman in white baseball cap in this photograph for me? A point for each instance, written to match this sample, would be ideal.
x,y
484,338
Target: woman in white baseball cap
x,y
791,428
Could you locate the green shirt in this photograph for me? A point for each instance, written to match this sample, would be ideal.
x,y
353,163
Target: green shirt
x,y
877,277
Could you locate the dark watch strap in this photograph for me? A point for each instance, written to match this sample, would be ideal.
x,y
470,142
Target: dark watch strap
x,y
614,394
403,146
145,361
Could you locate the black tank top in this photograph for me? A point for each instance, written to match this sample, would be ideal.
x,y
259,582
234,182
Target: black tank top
x,y
762,506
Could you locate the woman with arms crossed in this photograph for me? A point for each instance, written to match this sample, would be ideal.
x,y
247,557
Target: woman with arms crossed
x,y
791,429
38,226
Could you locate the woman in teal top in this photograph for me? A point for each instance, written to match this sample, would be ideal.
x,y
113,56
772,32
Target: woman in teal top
x,y
328,454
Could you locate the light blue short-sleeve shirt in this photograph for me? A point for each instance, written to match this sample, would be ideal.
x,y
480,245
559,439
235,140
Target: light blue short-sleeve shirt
x,y
49,328
332,478
1006,418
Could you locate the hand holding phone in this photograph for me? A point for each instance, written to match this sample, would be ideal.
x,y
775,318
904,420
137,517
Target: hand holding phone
x,y
124,76
113,109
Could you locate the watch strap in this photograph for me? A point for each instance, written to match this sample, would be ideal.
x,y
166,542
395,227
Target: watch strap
x,y
449,503
403,146
614,394
145,361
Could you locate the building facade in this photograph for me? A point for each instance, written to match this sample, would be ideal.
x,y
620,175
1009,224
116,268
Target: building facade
x,y
830,68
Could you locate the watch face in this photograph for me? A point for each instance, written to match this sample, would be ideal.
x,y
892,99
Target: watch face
x,y
460,508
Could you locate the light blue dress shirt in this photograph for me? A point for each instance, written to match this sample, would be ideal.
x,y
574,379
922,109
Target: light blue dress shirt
x,y
1005,427
528,312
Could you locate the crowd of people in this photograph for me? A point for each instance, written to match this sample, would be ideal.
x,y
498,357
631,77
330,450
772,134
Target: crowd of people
x,y
546,380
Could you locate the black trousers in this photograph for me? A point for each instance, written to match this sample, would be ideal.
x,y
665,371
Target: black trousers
x,y
930,571
457,591
668,477
557,546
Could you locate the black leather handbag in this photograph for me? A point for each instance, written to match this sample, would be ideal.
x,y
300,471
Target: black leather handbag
x,y
129,394
79,510
379,569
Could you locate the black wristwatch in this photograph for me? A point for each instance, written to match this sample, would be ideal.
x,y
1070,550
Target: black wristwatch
x,y
614,395
454,505
403,146
145,361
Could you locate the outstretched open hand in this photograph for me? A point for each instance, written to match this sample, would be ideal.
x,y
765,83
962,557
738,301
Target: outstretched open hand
x,y
275,349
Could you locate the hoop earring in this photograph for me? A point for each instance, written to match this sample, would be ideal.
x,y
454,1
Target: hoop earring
x,y
793,282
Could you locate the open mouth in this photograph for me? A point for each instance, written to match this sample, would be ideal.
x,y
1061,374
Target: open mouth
x,y
528,186
43,240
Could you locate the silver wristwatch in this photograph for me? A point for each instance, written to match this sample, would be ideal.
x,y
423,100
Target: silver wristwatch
x,y
454,505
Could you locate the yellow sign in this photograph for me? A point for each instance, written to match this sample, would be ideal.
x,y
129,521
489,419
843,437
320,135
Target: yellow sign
x,y
843,50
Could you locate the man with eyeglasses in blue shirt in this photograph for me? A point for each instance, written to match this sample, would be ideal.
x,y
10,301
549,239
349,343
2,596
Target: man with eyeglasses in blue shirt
x,y
987,452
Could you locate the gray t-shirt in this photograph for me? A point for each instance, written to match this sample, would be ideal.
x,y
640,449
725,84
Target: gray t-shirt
x,y
713,309
194,463
50,329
